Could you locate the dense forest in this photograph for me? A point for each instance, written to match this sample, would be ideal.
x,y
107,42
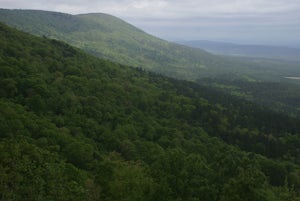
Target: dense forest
x,y
75,127
280,96
259,80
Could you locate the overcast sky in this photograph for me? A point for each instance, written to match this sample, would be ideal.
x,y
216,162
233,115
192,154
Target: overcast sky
x,y
243,21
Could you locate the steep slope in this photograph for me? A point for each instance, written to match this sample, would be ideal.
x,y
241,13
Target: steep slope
x,y
141,49
111,38
74,127
102,35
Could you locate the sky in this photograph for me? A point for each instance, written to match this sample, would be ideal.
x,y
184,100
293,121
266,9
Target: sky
x,y
271,22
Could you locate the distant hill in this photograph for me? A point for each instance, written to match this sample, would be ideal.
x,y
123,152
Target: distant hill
x,y
260,51
111,38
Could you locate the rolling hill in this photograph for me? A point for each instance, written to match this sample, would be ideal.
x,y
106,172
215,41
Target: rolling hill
x,y
111,38
75,127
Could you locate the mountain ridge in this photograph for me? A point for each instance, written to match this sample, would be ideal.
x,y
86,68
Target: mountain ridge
x,y
124,43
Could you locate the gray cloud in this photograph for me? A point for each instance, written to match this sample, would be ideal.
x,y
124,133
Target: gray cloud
x,y
159,8
244,20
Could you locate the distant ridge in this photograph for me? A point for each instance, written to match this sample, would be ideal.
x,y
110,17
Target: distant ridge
x,y
111,38
232,49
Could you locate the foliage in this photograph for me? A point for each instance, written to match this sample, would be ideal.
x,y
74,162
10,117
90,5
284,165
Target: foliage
x,y
74,127
111,38
280,96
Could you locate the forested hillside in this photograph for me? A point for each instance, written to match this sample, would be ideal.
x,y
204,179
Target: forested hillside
x,y
279,96
74,127
108,37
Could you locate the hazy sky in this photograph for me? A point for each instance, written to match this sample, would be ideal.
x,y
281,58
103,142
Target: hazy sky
x,y
244,21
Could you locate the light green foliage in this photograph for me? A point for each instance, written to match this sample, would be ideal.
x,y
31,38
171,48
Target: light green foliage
x,y
30,173
111,38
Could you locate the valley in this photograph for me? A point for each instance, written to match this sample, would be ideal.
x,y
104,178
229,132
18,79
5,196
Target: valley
x,y
241,50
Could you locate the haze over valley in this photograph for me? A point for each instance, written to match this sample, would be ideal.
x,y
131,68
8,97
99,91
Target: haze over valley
x,y
244,50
